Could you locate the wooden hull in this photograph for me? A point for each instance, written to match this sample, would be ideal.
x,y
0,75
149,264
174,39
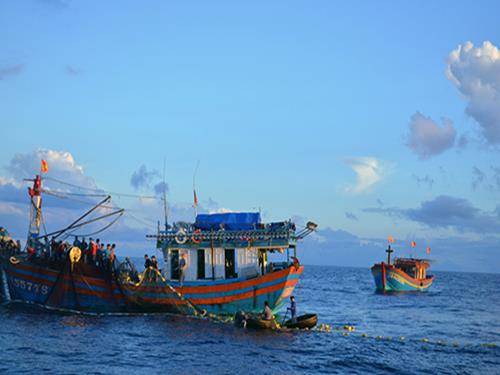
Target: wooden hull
x,y
304,321
391,279
86,289
260,323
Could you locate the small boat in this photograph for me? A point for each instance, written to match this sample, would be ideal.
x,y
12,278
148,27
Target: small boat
x,y
403,275
258,323
304,321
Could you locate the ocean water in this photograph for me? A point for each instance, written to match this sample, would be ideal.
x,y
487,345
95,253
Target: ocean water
x,y
452,329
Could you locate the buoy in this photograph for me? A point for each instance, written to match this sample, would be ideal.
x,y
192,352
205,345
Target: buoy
x,y
181,237
401,338
196,237
425,340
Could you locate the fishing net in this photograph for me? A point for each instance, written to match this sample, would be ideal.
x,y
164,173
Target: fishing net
x,y
150,291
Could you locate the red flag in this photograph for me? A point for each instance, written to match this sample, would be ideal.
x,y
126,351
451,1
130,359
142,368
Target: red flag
x,y
413,244
45,166
428,250
195,199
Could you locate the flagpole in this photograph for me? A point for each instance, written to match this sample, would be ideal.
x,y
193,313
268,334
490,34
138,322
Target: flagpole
x,y
195,197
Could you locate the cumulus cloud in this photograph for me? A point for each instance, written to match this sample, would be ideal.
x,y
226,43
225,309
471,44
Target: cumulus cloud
x,y
475,71
64,175
160,188
426,138
62,166
142,178
369,171
12,70
447,212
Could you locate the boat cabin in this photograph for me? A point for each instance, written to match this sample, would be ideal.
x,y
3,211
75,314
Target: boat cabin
x,y
416,268
227,246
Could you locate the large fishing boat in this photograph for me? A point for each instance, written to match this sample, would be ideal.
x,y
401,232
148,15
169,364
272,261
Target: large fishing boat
x,y
218,264
402,275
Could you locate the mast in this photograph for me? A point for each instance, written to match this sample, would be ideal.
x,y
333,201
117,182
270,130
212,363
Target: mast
x,y
389,251
165,206
35,194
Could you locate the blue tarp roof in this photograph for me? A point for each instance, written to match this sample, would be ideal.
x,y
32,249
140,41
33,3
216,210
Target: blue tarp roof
x,y
231,221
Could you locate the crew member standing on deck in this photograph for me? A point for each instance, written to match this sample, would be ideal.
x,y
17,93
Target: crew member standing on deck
x,y
182,268
147,262
112,256
154,266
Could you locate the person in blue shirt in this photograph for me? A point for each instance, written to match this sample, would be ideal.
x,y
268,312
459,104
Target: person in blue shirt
x,y
293,309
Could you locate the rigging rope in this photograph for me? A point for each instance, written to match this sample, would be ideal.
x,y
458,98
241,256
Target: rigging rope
x,y
97,232
104,191
49,192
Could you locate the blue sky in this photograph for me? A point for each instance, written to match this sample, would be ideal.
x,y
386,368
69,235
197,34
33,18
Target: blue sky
x,y
281,102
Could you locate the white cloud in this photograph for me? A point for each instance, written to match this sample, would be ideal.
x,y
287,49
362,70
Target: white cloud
x,y
62,166
426,138
369,171
475,71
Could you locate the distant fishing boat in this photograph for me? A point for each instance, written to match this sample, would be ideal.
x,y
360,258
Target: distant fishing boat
x,y
218,264
402,275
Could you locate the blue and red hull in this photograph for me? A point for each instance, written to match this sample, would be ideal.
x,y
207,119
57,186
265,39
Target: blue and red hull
x,y
391,279
81,290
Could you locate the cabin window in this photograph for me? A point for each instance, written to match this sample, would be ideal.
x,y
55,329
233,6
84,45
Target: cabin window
x,y
229,267
174,264
200,261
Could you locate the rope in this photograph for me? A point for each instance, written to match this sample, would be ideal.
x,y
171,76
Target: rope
x,y
96,232
103,191
75,200
197,311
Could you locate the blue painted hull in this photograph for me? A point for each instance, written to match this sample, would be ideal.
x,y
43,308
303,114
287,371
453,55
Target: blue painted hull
x,y
103,294
397,281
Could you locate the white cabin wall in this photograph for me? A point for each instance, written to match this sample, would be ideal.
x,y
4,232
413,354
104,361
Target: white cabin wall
x,y
246,263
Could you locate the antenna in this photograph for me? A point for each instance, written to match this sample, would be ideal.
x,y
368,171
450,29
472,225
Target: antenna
x,y
165,206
